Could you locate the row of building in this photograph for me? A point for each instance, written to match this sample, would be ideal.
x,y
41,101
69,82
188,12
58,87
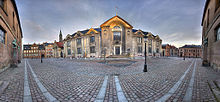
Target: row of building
x,y
56,49
193,51
115,38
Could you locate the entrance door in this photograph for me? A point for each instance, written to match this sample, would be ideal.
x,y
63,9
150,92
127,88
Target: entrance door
x,y
117,50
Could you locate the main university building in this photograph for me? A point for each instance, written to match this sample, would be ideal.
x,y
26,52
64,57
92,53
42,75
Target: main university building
x,y
115,38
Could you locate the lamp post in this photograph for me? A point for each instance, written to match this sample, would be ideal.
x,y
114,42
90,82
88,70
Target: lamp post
x,y
145,54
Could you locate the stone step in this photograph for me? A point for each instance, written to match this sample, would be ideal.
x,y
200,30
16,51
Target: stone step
x,y
3,86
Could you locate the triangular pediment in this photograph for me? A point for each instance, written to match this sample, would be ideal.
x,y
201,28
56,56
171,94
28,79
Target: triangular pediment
x,y
117,20
92,31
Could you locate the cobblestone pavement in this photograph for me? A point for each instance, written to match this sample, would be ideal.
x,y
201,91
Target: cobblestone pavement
x,y
81,80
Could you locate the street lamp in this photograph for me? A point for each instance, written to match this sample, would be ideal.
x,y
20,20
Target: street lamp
x,y
145,54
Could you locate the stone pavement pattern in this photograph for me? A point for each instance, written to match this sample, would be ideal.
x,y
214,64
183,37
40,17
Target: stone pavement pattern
x,y
81,80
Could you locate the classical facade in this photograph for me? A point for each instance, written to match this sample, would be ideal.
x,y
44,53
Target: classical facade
x,y
191,51
10,34
211,33
169,50
115,37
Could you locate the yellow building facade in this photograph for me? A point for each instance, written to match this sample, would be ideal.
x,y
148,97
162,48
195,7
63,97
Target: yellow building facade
x,y
115,38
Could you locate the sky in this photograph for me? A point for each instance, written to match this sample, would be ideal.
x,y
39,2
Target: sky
x,y
177,22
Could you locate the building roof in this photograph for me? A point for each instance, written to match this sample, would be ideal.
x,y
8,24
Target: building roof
x,y
16,11
85,31
59,44
46,44
191,46
41,47
27,47
204,11
130,26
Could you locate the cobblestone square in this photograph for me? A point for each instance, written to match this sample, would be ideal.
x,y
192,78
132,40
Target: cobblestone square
x,y
71,80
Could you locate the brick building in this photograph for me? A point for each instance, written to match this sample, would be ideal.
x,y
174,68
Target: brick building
x,y
169,50
36,50
211,33
10,34
191,51
33,50
48,50
115,38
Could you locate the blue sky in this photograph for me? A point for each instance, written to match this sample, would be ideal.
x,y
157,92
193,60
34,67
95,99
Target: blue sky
x,y
177,22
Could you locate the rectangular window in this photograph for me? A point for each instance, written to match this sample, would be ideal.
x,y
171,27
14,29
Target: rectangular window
x,y
150,42
158,44
218,34
149,49
78,40
2,36
139,39
139,49
157,51
92,39
79,51
68,43
117,35
69,51
92,49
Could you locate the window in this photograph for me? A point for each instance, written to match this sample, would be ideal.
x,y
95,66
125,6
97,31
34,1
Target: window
x,y
92,39
78,41
92,49
69,51
91,32
116,27
68,43
128,32
139,49
157,43
139,39
208,19
117,35
149,49
79,51
2,36
218,34
157,51
2,3
150,42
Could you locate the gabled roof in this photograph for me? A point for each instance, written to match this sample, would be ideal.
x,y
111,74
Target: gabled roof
x,y
116,17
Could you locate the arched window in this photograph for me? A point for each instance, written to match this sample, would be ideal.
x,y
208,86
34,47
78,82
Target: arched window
x,y
117,27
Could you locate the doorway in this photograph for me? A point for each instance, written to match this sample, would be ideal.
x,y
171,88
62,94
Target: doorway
x,y
117,50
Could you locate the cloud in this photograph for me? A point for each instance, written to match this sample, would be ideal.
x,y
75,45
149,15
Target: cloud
x,y
175,21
